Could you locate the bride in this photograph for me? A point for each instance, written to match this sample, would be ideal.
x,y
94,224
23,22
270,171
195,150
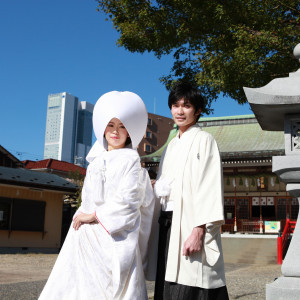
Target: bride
x,y
105,251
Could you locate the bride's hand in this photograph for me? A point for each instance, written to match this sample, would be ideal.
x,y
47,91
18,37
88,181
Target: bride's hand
x,y
83,219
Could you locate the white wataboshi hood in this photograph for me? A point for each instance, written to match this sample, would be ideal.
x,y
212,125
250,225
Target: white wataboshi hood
x,y
129,108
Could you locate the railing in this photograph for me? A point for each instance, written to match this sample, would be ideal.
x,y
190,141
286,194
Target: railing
x,y
283,240
244,226
252,226
227,228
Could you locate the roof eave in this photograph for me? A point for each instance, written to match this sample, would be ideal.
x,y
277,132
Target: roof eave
x,y
69,190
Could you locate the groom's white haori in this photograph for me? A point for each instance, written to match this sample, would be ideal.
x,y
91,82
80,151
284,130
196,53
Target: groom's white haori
x,y
192,166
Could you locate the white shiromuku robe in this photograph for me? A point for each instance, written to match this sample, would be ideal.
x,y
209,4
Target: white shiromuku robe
x,y
105,260
192,166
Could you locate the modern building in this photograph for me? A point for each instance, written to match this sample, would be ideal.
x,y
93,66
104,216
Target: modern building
x,y
84,133
68,134
253,195
158,129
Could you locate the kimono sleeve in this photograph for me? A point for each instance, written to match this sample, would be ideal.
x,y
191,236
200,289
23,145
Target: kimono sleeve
x,y
208,184
211,246
122,207
146,210
208,197
86,205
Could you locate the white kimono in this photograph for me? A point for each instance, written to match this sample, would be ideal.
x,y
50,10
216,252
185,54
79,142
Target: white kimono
x,y
192,166
105,260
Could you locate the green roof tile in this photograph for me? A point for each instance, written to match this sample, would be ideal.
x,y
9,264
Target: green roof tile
x,y
226,118
246,137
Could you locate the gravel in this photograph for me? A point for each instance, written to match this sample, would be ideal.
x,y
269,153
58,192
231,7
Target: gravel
x,y
23,276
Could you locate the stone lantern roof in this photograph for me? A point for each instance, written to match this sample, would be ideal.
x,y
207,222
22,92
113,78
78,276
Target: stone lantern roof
x,y
272,102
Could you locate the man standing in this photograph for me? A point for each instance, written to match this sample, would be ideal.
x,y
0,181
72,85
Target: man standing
x,y
190,187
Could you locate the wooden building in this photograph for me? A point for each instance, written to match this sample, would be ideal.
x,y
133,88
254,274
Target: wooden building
x,y
31,205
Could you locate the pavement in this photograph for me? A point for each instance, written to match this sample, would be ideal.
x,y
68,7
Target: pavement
x,y
23,276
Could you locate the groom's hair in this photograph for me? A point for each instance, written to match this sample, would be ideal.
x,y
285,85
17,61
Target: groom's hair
x,y
189,92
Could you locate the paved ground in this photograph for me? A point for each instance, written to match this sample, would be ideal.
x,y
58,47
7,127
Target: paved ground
x,y
22,277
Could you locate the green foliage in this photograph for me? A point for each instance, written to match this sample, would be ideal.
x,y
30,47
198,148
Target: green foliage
x,y
75,175
77,196
221,45
78,179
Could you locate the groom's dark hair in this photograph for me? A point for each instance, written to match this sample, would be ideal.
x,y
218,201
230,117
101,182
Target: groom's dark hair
x,y
189,92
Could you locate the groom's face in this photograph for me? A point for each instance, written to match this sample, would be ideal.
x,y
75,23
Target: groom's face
x,y
184,114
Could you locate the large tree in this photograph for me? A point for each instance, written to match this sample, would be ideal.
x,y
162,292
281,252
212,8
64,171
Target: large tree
x,y
221,45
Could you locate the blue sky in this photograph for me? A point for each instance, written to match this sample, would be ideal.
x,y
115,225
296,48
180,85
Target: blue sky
x,y
52,46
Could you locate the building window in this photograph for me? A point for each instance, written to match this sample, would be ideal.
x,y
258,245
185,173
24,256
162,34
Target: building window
x,y
243,208
148,134
294,209
229,208
149,121
19,214
147,148
282,208
4,213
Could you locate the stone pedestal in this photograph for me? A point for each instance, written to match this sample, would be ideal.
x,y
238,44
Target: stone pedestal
x,y
283,288
287,287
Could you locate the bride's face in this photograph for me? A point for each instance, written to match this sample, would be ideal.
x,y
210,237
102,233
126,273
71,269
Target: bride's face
x,y
115,134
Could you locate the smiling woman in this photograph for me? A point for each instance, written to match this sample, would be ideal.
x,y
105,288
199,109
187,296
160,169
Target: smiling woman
x,y
105,251
116,134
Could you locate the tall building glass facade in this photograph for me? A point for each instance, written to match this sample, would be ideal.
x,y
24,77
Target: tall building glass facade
x,y
85,127
53,125
68,128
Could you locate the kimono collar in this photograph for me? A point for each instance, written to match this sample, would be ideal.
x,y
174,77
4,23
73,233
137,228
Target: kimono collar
x,y
188,131
97,150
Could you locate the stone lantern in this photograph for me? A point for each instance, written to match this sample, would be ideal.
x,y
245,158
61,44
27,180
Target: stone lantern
x,y
277,108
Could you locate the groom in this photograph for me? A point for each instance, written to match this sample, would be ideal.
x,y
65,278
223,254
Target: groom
x,y
190,186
